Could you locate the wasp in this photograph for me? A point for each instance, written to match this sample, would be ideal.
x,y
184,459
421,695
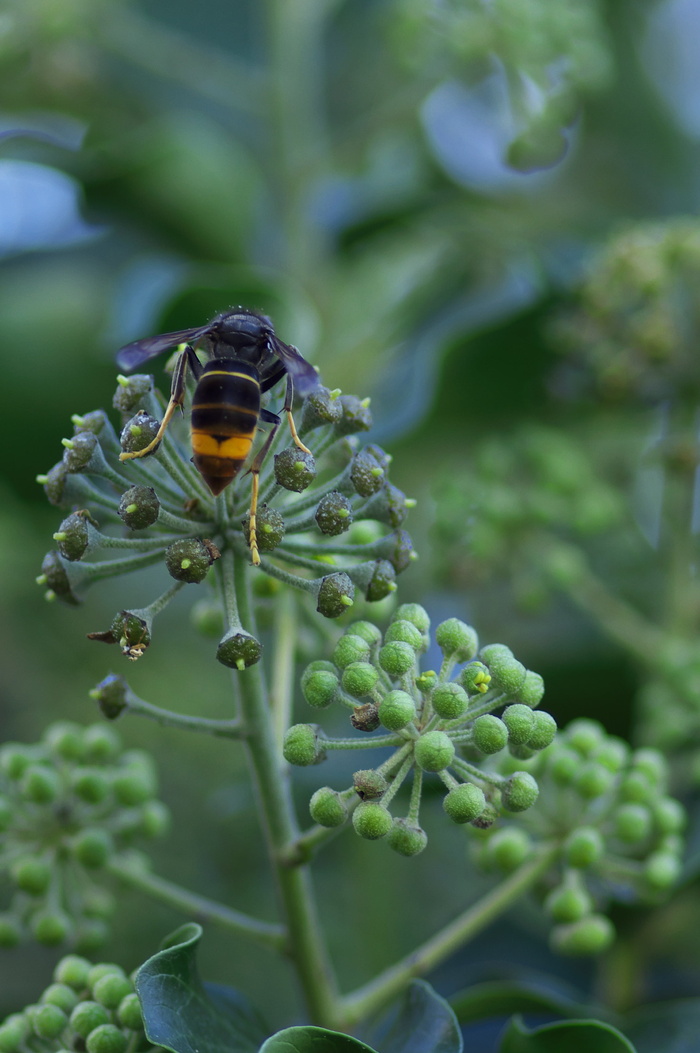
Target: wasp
x,y
245,359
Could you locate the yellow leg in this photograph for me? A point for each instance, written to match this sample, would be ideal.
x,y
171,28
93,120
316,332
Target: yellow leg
x,y
295,436
252,526
172,406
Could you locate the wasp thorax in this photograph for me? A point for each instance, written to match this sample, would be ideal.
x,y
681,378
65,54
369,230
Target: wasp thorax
x,y
295,469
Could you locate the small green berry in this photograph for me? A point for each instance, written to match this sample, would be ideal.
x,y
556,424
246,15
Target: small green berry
x,y
101,744
509,847
301,745
450,701
32,875
464,803
434,751
635,786
414,613
585,735
40,784
543,732
48,1021
520,721
520,792
564,764
651,763
50,927
396,710
457,640
397,658
15,759
132,787
359,679
632,822
102,969
90,784
593,780
592,934
406,838
61,995
129,1012
65,739
490,734
531,690
406,632
13,1032
371,820
73,971
613,753
106,1039
662,870
327,807
583,847
568,903
92,847
350,648
110,989
669,815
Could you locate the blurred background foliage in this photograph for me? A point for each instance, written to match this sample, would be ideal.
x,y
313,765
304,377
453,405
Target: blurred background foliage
x,y
480,214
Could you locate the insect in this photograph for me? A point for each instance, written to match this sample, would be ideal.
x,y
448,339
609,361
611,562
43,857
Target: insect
x,y
246,358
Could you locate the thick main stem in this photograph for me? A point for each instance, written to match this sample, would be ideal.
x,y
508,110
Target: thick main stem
x,y
306,945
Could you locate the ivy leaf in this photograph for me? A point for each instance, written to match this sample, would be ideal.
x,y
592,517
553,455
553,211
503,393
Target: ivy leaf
x,y
186,1016
313,1040
668,1027
505,997
574,1036
420,1022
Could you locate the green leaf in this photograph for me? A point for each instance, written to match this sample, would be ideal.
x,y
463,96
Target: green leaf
x,y
668,1027
420,1022
185,1016
313,1040
574,1036
505,997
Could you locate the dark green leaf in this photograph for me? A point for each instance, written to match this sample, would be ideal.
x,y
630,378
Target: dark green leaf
x,y
313,1040
185,1016
573,1036
503,998
669,1027
420,1022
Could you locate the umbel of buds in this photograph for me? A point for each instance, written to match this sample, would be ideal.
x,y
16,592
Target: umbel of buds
x,y
69,805
436,722
88,1007
617,831
327,539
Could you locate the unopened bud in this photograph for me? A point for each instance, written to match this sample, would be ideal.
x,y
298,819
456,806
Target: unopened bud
x,y
238,650
335,595
132,392
334,514
190,559
138,432
295,469
139,507
356,416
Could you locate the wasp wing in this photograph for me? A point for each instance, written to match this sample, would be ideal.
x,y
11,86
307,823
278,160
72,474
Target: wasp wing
x,y
132,355
305,376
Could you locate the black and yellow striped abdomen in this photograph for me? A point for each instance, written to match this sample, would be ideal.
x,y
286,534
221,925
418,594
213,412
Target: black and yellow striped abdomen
x,y
225,412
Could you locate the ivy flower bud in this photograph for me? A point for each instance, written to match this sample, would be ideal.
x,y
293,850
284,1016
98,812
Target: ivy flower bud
x,y
328,808
583,847
531,690
593,780
270,527
50,927
335,595
450,701
73,971
662,870
396,710
414,613
371,820
507,672
55,577
397,547
366,474
490,734
406,838
464,803
355,417
139,507
40,784
593,934
190,559
334,514
238,649
543,732
633,823
509,847
78,451
568,902
359,679
475,678
319,408
369,784
520,721
48,1021
367,631
132,392
295,469
138,432
389,505
320,687
405,631
397,658
111,696
350,648
457,640
585,735
434,751
31,875
107,1038
669,815
383,581
520,792
302,745
75,534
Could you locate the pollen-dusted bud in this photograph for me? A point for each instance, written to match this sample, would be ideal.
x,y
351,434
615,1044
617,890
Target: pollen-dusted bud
x,y
55,577
366,474
138,432
475,678
369,785
111,696
295,469
139,507
132,633
270,528
356,415
335,595
365,718
328,808
238,649
388,505
406,838
319,408
75,534
302,745
132,392
190,559
79,450
334,514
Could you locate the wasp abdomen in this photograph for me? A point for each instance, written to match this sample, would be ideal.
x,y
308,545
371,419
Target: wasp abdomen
x,y
225,412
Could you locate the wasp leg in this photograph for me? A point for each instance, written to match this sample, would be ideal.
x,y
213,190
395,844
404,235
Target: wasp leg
x,y
288,399
177,398
254,471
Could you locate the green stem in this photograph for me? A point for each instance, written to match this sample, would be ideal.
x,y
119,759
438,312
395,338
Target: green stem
x,y
281,693
199,907
230,729
388,984
306,946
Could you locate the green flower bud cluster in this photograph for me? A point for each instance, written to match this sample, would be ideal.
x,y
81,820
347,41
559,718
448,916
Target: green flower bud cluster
x,y
525,36
437,722
69,805
542,486
158,511
606,809
630,326
88,1007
